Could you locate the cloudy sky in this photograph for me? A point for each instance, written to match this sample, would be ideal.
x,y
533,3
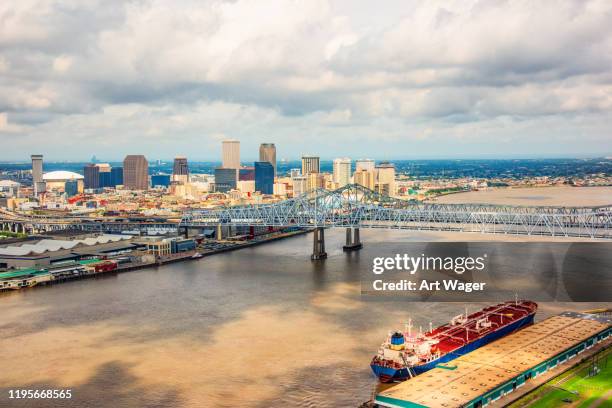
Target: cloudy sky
x,y
391,79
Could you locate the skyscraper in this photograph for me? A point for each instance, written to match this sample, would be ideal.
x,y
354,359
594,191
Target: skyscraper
x,y
136,172
105,179
92,176
231,154
385,178
116,176
264,177
37,174
225,179
180,170
37,168
104,176
310,164
342,171
364,164
267,153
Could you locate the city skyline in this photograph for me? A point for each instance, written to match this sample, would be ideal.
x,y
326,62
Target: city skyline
x,y
414,79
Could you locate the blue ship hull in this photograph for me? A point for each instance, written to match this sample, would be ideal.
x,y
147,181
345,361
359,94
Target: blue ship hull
x,y
402,374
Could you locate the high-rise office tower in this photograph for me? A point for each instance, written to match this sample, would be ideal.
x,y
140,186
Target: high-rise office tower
x,y
116,176
364,164
92,176
37,174
267,153
342,171
225,179
264,177
385,178
37,168
105,175
136,172
310,164
231,154
180,170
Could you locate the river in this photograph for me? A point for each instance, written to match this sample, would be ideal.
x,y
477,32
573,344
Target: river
x,y
258,327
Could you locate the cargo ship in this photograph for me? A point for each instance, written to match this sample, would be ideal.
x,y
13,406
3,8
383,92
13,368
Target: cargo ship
x,y
405,354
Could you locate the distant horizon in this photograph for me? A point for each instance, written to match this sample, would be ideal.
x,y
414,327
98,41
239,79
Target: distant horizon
x,y
246,160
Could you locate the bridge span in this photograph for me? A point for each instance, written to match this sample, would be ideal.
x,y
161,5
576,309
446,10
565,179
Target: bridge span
x,y
354,207
351,207
36,223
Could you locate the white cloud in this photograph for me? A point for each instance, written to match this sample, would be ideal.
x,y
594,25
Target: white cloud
x,y
110,73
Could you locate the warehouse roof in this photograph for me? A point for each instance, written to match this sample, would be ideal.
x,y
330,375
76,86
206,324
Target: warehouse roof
x,y
51,245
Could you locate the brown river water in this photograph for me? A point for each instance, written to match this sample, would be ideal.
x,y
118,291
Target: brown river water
x,y
257,327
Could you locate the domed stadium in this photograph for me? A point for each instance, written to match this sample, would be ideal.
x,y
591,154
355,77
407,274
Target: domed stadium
x,y
58,179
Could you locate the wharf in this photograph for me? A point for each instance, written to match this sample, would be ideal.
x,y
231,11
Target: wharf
x,y
494,371
203,251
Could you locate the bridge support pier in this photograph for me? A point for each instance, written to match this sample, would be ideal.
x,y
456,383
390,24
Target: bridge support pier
x,y
219,235
318,245
353,242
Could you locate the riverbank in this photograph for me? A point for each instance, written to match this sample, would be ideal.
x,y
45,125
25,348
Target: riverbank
x,y
75,271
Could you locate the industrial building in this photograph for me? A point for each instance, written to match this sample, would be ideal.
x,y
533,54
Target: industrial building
x,y
490,372
45,252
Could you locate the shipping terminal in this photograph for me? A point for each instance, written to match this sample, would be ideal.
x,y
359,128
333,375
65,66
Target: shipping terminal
x,y
485,375
406,354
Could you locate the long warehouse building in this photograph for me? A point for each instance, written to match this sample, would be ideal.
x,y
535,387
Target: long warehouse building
x,y
490,372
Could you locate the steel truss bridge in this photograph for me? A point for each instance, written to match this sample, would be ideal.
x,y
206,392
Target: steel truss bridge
x,y
33,223
354,206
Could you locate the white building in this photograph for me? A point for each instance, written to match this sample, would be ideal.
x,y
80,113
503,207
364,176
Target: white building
x,y
385,179
342,171
364,164
300,185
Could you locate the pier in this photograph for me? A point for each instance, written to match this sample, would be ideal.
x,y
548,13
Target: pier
x,y
490,375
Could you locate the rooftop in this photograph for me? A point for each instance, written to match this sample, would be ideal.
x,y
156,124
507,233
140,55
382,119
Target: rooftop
x,y
61,175
50,245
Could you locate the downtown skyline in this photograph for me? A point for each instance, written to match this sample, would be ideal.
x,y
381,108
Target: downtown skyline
x,y
414,80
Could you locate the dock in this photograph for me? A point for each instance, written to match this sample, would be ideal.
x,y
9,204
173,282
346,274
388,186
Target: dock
x,y
480,378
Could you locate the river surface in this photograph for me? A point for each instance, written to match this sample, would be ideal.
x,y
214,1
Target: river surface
x,y
536,196
257,327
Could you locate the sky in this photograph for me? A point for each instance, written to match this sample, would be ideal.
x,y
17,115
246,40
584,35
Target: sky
x,y
388,80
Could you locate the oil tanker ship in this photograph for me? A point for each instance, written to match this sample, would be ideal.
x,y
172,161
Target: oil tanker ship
x,y
404,355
